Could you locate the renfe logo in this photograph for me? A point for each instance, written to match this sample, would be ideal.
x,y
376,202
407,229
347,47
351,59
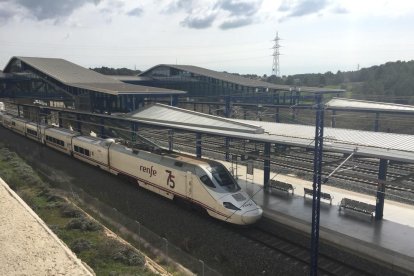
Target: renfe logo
x,y
149,170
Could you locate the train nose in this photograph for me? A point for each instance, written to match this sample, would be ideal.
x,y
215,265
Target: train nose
x,y
252,216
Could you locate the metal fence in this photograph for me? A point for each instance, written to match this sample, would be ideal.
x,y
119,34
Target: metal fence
x,y
167,254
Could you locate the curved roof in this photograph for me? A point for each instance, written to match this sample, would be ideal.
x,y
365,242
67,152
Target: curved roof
x,y
240,80
161,113
73,75
390,146
360,105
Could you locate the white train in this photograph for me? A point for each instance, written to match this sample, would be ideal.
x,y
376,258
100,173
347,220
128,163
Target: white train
x,y
203,182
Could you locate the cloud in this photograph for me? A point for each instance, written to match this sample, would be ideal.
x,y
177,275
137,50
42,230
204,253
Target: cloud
x,y
135,12
236,23
52,9
5,14
340,10
41,9
302,7
178,5
196,22
239,7
227,13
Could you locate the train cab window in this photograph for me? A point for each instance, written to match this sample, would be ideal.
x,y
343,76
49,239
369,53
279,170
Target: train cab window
x,y
223,178
207,181
76,148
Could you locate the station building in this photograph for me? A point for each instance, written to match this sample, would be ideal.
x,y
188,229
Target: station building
x,y
53,80
205,83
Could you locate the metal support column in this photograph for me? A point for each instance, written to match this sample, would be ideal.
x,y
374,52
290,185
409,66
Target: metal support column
x,y
109,105
198,145
333,119
78,123
18,111
134,129
266,166
382,176
277,116
174,100
317,171
227,146
376,122
102,127
60,119
227,109
170,139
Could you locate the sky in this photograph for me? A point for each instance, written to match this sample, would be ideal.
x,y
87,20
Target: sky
x,y
224,35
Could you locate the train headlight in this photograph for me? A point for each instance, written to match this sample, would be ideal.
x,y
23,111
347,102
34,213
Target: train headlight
x,y
230,205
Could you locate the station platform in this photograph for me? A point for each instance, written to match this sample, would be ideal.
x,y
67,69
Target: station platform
x,y
389,241
28,246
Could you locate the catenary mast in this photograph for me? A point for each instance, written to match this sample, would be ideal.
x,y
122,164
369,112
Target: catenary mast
x,y
276,54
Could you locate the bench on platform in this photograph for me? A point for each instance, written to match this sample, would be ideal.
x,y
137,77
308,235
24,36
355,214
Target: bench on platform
x,y
357,206
281,186
326,196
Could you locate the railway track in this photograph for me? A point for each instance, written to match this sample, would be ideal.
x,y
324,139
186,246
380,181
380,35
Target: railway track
x,y
327,265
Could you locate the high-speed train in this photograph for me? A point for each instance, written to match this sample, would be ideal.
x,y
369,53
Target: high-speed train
x,y
205,183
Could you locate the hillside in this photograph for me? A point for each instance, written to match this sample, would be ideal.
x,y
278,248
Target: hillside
x,y
116,71
389,82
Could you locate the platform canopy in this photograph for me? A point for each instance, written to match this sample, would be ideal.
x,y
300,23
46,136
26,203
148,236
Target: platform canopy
x,y
69,76
399,147
360,105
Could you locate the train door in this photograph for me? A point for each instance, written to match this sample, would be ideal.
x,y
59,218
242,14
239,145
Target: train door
x,y
189,184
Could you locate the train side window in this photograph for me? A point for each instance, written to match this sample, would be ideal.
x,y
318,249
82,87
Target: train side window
x,y
178,164
76,148
13,123
207,181
87,152
32,132
81,150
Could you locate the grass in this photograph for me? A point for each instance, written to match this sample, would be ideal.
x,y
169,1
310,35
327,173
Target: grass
x,y
104,254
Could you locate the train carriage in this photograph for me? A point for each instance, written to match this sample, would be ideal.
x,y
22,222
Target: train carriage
x,y
205,183
92,150
18,125
6,120
60,139
35,131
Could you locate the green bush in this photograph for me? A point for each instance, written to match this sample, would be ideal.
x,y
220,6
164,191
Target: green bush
x,y
115,250
70,211
80,245
83,224
128,256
